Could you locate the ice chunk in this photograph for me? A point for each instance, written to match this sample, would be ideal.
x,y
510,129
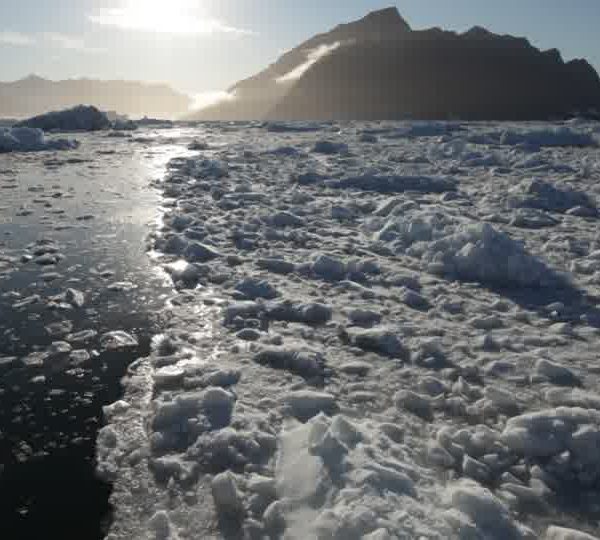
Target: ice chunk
x,y
217,404
254,288
226,496
476,470
329,268
79,357
24,139
74,297
483,254
329,147
243,310
553,136
197,252
364,317
541,434
388,478
286,219
299,473
313,313
304,404
415,300
168,376
278,266
585,444
382,340
161,525
274,518
572,398
118,339
541,195
560,533
486,512
556,373
531,218
438,455
302,479
502,399
80,118
302,362
395,184
414,403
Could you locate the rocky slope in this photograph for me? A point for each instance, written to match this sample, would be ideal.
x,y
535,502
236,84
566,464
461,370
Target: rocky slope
x,y
378,68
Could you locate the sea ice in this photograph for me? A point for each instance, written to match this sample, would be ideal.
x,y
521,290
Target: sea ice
x,y
24,139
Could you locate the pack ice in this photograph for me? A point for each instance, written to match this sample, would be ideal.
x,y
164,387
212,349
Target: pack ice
x,y
377,331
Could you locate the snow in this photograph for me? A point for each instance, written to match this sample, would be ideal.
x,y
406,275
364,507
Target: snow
x,y
23,139
377,330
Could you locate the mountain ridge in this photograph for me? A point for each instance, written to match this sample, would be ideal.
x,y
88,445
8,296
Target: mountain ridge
x,y
33,95
529,76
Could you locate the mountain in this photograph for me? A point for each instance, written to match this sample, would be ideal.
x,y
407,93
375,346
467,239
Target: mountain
x,y
379,68
36,95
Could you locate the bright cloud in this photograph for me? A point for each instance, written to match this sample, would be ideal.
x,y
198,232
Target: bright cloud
x,y
312,58
16,38
207,99
162,16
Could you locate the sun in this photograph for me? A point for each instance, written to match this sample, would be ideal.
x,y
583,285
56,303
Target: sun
x,y
182,17
167,16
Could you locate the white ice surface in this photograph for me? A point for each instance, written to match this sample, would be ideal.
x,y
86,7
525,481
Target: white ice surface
x,y
380,331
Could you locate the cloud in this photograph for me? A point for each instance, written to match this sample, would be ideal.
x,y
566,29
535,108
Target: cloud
x,y
72,43
312,58
158,16
16,38
207,99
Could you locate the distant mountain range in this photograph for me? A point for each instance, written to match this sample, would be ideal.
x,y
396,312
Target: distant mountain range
x,y
35,95
379,68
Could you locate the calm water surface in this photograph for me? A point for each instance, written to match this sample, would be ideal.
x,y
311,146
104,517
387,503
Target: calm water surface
x,y
95,208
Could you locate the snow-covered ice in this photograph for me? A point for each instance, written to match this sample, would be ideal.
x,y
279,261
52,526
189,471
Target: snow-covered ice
x,y
378,331
24,139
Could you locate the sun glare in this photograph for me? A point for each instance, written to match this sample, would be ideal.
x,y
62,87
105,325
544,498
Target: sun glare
x,y
163,16
160,16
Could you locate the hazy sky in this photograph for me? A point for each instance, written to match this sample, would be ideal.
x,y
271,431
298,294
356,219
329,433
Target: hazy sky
x,y
206,45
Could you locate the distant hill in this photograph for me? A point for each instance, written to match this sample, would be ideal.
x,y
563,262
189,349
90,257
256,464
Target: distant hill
x,y
379,68
35,95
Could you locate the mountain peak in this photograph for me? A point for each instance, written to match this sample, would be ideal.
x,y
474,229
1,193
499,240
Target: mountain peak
x,y
33,78
387,17
479,32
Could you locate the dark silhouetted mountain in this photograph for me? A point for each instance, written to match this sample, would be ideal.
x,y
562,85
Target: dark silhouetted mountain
x,y
378,68
35,95
256,96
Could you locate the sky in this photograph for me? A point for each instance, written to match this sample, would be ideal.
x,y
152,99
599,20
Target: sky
x,y
204,46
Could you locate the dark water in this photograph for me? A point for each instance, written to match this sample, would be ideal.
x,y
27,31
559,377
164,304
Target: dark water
x,y
96,206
